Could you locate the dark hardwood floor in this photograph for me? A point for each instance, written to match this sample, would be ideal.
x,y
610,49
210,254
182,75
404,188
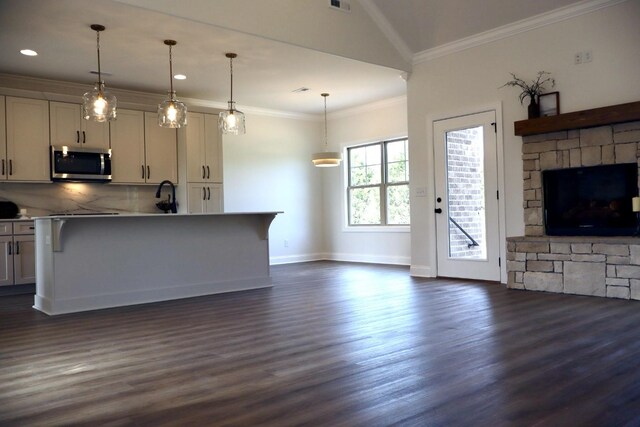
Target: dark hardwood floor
x,y
330,344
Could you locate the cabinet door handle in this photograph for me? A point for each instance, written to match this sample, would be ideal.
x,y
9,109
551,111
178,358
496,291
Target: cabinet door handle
x,y
208,193
204,193
148,172
3,167
84,137
10,167
208,172
17,248
77,137
203,173
142,166
9,247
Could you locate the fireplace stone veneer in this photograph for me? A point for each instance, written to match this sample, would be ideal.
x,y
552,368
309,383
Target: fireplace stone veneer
x,y
597,266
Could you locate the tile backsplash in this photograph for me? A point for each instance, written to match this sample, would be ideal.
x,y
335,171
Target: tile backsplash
x,y
44,199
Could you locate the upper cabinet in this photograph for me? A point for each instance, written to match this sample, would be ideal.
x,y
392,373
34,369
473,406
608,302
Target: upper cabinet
x,y
127,148
161,151
204,148
25,157
141,151
68,127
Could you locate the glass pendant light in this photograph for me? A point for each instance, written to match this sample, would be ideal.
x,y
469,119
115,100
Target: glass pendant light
x,y
171,112
99,104
231,121
326,159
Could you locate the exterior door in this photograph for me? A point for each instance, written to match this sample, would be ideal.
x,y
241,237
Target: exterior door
x,y
466,177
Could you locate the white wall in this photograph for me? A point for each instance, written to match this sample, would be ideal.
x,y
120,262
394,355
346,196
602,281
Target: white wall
x,y
462,81
384,121
269,169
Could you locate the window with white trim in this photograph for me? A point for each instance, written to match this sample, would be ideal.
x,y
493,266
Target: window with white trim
x,y
378,183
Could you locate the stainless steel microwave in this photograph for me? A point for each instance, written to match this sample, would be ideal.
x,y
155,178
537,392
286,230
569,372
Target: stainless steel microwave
x,y
86,164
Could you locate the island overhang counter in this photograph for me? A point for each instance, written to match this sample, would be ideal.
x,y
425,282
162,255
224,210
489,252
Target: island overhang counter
x,y
100,261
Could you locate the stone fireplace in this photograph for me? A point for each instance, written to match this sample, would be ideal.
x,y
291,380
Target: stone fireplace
x,y
593,265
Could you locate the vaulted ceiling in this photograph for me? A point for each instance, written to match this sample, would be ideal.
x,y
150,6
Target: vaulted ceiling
x,y
357,56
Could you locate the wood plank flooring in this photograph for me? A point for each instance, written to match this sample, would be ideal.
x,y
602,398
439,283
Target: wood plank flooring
x,y
331,344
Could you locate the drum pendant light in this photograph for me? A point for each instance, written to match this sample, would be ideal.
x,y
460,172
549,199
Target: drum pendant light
x,y
231,121
171,112
98,104
326,159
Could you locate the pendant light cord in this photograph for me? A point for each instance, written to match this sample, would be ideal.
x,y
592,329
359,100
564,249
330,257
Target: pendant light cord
x,y
231,69
171,71
326,142
98,44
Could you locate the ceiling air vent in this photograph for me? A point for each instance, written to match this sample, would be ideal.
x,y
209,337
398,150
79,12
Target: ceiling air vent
x,y
300,90
343,5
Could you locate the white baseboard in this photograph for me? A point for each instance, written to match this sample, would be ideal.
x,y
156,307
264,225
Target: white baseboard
x,y
368,258
343,257
291,259
421,271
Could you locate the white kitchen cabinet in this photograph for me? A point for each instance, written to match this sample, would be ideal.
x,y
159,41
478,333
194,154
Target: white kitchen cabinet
x,y
205,198
204,148
161,151
69,128
127,148
141,151
17,253
25,157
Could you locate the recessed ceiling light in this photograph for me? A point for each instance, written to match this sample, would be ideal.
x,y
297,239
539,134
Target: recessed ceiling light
x,y
180,77
29,52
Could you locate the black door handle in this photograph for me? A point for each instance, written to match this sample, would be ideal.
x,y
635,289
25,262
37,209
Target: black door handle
x,y
438,210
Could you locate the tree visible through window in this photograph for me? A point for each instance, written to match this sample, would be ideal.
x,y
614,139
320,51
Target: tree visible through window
x,y
378,189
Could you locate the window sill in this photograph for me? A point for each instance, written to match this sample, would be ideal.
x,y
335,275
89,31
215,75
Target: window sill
x,y
377,229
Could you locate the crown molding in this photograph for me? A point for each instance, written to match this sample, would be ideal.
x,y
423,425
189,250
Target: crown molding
x,y
514,28
56,90
372,106
387,29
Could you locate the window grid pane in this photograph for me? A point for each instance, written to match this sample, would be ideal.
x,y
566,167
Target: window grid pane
x,y
365,206
374,197
398,204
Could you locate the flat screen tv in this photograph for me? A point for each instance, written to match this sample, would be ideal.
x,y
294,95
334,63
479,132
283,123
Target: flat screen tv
x,y
590,201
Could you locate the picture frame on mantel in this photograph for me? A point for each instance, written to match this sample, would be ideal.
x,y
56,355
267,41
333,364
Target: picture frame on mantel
x,y
549,104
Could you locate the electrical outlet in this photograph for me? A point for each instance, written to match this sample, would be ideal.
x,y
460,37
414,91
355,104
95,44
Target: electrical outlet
x,y
286,243
583,57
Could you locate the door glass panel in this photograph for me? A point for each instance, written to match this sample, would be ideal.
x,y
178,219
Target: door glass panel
x,y
465,185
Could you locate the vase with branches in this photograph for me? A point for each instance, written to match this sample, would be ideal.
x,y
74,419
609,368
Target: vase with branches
x,y
532,90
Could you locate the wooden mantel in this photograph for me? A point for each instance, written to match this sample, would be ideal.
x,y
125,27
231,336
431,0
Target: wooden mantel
x,y
579,119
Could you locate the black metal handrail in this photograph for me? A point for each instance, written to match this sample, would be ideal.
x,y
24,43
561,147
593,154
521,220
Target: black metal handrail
x,y
473,242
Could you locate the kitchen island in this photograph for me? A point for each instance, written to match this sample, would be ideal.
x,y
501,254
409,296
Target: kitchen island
x,y
99,261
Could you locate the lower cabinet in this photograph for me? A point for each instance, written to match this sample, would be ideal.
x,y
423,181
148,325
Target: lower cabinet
x,y
205,198
17,253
